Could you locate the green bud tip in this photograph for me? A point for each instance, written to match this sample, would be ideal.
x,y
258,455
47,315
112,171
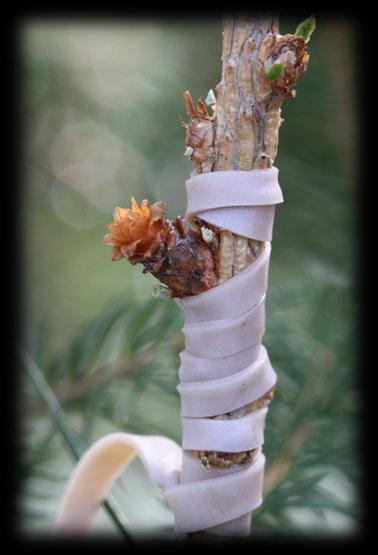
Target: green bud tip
x,y
306,28
274,71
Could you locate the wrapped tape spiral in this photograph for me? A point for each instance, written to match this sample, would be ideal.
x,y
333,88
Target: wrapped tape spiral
x,y
223,368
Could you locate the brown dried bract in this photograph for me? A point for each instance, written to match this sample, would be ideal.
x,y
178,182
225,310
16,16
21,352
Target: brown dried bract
x,y
199,133
218,459
291,51
188,268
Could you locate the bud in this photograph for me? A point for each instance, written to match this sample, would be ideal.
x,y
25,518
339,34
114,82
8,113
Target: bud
x,y
139,232
290,52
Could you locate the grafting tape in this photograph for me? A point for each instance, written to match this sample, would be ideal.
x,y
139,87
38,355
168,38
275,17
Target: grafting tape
x,y
241,201
230,435
223,368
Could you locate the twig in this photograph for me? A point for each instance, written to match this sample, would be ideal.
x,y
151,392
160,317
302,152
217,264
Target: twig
x,y
259,69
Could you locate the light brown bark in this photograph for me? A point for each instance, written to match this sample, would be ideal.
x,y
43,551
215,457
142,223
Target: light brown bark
x,y
244,135
246,125
241,109
245,129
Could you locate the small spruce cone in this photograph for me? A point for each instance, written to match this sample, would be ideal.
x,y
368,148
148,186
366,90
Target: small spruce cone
x,y
138,232
173,252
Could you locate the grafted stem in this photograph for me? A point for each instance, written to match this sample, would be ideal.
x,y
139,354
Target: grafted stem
x,y
246,128
245,131
242,112
260,67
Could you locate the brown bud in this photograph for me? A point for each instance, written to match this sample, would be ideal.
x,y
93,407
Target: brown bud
x,y
199,131
290,50
188,267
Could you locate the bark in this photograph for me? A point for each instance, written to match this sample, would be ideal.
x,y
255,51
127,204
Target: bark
x,y
246,122
243,135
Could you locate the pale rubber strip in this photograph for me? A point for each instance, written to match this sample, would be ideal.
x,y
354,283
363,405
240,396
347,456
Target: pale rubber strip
x,y
211,398
193,471
255,222
249,209
232,436
233,296
207,191
206,503
194,504
229,300
221,501
196,369
224,337
102,463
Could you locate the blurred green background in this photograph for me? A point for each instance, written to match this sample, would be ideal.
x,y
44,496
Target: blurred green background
x,y
100,112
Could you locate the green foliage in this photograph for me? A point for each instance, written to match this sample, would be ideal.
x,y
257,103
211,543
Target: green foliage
x,y
306,28
127,379
113,371
111,97
274,71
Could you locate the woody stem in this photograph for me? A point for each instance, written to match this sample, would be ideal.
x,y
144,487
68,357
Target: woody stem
x,y
247,126
246,137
